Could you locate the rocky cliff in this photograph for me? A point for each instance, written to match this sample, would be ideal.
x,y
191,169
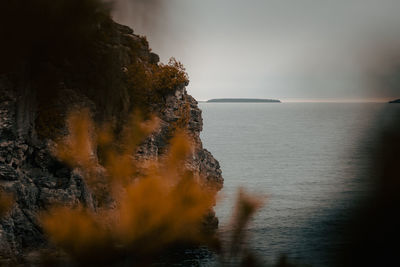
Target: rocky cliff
x,y
37,94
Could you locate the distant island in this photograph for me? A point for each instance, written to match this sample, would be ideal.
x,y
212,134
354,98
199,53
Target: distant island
x,y
395,101
242,100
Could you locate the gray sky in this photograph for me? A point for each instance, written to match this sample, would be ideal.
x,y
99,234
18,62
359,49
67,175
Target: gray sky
x,y
285,49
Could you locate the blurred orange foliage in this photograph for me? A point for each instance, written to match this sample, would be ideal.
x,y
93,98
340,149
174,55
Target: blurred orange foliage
x,y
154,204
6,202
77,148
246,207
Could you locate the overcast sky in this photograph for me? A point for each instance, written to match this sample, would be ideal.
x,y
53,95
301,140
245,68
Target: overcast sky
x,y
285,49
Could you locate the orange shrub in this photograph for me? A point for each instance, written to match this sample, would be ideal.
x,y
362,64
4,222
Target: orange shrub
x,y
149,83
168,77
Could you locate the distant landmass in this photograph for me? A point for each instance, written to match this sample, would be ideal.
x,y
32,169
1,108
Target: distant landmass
x,y
242,100
395,101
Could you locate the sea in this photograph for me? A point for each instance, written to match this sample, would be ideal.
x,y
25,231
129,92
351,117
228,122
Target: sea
x,y
308,162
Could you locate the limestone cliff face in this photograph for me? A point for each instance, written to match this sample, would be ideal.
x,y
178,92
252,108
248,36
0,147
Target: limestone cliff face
x,y
29,119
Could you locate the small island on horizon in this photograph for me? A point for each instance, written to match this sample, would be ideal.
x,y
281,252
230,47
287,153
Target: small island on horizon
x,y
242,100
394,101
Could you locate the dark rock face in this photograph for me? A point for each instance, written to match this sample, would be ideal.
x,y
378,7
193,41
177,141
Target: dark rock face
x,y
38,180
394,101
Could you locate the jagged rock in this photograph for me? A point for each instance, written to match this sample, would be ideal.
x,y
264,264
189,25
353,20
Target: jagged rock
x,y
38,180
154,58
8,173
124,29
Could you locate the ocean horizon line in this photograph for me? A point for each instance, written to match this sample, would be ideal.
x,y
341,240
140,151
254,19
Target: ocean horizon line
x,y
311,100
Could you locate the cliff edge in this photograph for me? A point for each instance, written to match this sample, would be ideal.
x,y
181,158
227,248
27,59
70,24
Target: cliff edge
x,y
36,95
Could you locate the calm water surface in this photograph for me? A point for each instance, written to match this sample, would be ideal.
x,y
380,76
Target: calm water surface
x,y
307,158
